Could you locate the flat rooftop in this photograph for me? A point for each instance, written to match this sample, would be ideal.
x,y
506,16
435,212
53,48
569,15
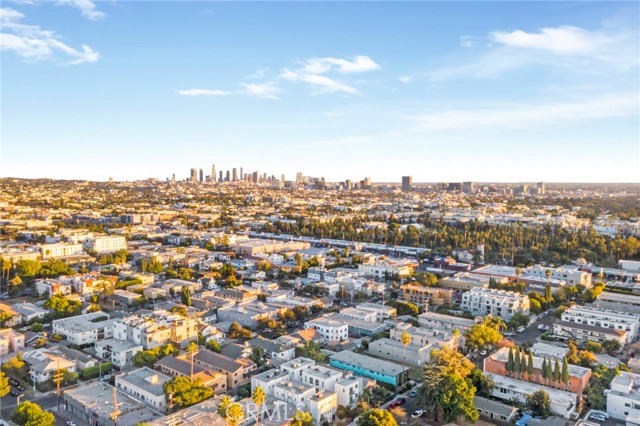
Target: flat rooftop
x,y
368,362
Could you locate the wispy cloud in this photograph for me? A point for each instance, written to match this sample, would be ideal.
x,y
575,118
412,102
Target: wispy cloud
x,y
312,72
203,92
405,79
540,114
86,7
320,83
267,90
468,41
358,64
259,73
32,43
569,47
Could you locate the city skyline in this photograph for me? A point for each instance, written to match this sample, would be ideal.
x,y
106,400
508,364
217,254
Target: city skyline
x,y
485,92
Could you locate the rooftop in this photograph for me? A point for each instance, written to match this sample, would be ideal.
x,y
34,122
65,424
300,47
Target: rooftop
x,y
368,362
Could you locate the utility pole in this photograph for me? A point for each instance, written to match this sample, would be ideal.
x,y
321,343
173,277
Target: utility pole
x,y
58,380
115,412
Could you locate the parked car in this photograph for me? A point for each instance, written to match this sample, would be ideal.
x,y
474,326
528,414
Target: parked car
x,y
417,413
14,392
520,329
71,423
483,352
541,327
597,416
413,393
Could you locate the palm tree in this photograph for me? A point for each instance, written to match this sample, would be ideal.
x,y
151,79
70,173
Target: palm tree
x,y
235,414
405,338
547,289
223,406
192,349
496,323
258,397
518,272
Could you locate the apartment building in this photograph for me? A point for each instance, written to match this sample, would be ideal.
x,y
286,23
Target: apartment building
x,y
119,352
439,336
330,330
499,303
274,350
423,296
47,287
468,280
249,314
431,319
251,247
628,300
623,398
181,367
56,251
572,277
579,376
382,312
373,368
563,403
394,350
587,323
14,317
105,244
85,329
10,341
144,384
87,284
156,329
386,268
237,371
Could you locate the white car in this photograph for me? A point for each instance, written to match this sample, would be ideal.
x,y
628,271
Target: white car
x,y
520,329
417,413
483,353
71,423
597,416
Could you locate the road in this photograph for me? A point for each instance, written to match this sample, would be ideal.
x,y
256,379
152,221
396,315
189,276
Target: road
x,y
46,402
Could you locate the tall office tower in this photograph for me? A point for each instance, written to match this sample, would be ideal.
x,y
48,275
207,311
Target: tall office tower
x,y
213,173
541,188
201,175
255,177
221,176
367,182
454,186
241,174
407,183
523,189
467,187
348,184
264,177
228,177
173,177
194,175
282,178
235,174
299,178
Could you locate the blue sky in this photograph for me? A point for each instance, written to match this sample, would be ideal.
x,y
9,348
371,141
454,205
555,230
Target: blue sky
x,y
443,91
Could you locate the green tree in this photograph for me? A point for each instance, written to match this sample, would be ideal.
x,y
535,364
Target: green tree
x,y
519,320
482,383
557,375
516,362
258,396
530,368
539,403
543,370
186,392
456,399
375,417
30,414
257,356
565,371
186,295
4,318
63,307
510,362
480,336
213,346
4,385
